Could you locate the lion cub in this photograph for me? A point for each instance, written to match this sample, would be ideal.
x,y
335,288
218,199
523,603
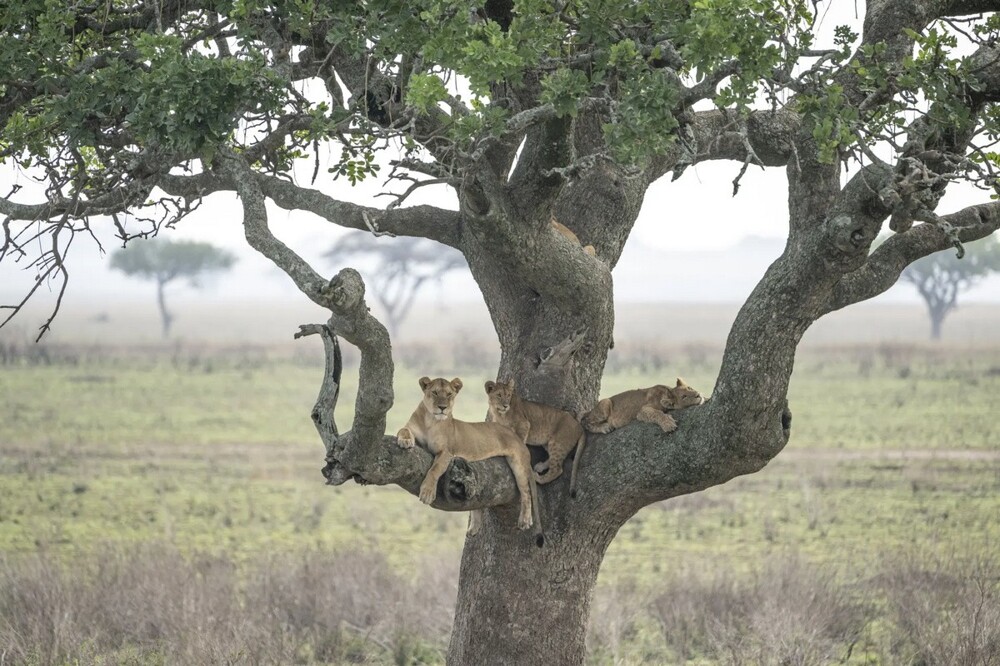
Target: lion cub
x,y
555,430
434,428
648,404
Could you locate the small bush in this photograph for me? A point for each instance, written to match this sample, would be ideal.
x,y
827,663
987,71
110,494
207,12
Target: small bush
x,y
789,613
945,612
152,604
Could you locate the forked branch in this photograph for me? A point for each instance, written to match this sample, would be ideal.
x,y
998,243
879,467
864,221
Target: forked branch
x,y
364,453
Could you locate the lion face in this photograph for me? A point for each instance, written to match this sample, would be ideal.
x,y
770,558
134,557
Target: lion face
x,y
681,396
439,395
500,396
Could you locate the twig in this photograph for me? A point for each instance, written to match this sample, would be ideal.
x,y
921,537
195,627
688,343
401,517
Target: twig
x,y
751,155
400,198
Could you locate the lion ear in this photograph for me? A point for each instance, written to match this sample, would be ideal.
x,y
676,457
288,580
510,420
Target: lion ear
x,y
456,384
680,382
490,386
511,383
424,382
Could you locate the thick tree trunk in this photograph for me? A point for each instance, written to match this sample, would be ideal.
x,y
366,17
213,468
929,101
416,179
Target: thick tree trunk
x,y
520,604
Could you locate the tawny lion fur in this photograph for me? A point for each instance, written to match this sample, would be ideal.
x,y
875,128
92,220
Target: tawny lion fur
x,y
434,428
557,431
646,404
568,233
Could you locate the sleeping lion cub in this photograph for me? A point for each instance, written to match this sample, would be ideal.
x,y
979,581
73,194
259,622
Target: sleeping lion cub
x,y
537,425
434,428
648,404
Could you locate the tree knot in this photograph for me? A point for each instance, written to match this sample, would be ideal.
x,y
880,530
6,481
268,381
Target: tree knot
x,y
346,290
560,354
461,483
849,237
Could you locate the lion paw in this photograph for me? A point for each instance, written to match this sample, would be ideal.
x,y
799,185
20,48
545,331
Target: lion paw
x,y
405,439
549,476
524,522
668,424
428,493
541,467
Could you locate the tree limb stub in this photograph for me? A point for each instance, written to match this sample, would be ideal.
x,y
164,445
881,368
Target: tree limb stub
x,y
559,356
329,392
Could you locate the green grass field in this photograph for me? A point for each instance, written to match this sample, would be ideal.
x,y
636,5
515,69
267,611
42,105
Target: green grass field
x,y
895,453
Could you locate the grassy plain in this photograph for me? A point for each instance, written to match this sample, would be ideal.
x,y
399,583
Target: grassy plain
x,y
894,462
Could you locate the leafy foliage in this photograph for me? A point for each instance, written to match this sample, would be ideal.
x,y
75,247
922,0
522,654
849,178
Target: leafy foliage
x,y
188,80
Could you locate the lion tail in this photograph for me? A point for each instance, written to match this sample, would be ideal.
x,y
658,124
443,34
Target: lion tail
x,y
576,462
536,511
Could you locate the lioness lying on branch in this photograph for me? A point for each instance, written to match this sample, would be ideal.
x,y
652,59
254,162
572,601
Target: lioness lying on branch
x,y
537,424
433,427
647,404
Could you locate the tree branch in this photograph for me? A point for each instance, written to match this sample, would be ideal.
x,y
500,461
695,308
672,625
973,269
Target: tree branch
x,y
363,453
719,135
639,464
887,262
423,221
115,201
384,104
546,147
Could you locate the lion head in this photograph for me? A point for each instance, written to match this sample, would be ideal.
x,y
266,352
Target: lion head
x,y
681,396
439,395
500,396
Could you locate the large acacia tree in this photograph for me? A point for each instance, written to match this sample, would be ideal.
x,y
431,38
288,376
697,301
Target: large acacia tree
x,y
528,110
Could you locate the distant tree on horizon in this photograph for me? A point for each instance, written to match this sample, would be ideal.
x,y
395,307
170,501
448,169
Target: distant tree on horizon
x,y
404,266
163,261
942,276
